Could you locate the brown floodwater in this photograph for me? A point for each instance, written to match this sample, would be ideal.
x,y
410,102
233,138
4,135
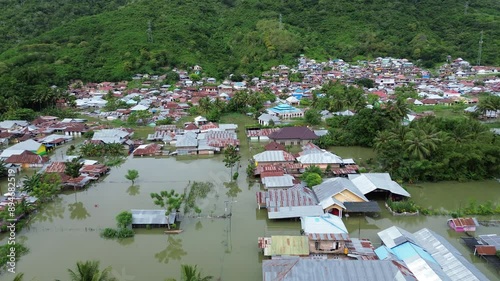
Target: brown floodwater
x,y
67,230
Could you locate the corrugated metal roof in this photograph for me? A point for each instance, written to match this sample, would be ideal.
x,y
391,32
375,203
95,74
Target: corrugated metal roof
x,y
339,270
362,207
295,212
151,217
448,257
324,224
333,186
322,157
279,181
274,156
368,182
393,236
491,239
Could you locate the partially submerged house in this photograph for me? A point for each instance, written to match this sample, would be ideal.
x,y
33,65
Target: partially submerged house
x,y
299,269
427,255
463,224
151,149
27,159
289,203
372,183
27,145
152,218
334,192
327,234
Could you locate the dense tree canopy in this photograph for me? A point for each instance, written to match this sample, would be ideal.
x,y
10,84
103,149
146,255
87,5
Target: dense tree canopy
x,y
46,43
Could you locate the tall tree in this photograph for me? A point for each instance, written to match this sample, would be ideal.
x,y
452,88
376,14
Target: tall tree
x,y
132,175
169,200
90,271
231,157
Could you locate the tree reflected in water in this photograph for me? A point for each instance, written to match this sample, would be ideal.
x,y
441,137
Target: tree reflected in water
x,y
52,210
78,211
173,251
133,190
232,189
198,225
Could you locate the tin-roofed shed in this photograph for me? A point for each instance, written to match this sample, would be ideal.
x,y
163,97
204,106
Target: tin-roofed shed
x,y
152,218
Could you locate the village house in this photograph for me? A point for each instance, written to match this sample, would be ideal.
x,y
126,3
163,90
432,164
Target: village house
x,y
289,203
293,136
27,159
269,120
273,157
326,233
27,145
426,254
334,192
151,149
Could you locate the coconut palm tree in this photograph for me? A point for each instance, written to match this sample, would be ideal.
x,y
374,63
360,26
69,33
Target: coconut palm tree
x,y
89,271
29,183
420,144
205,104
191,273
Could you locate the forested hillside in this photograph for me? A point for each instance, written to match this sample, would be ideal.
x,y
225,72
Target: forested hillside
x,y
49,42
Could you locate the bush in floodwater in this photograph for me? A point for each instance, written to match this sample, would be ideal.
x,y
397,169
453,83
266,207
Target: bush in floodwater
x,y
402,206
109,233
235,176
125,233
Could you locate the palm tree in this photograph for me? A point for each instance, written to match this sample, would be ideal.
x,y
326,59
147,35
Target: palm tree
x,y
89,271
421,144
29,183
191,273
205,104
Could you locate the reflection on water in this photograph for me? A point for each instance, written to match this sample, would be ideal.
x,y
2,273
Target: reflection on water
x,y
198,225
133,190
78,211
232,189
173,251
50,212
125,241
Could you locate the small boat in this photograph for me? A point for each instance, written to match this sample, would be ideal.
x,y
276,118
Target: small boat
x,y
463,224
173,231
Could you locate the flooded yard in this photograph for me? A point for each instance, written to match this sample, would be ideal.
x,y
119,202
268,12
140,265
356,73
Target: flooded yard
x,y
67,230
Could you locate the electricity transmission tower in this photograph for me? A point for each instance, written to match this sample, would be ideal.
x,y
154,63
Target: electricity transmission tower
x,y
480,50
150,32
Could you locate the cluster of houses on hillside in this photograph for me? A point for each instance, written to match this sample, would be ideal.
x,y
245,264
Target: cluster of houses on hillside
x,y
456,83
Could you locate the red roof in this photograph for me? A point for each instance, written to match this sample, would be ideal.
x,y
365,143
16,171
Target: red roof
x,y
26,157
301,133
486,250
56,167
274,146
149,149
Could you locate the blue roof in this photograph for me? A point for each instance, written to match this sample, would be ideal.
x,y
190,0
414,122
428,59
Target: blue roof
x,y
404,251
285,108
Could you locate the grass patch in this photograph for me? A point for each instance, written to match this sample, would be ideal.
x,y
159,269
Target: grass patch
x,y
442,110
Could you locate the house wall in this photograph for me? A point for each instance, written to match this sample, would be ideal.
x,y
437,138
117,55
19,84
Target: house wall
x,y
347,196
326,247
293,142
41,150
334,206
321,166
205,152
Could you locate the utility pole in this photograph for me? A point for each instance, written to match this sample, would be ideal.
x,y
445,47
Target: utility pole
x,y
466,7
281,22
150,32
480,50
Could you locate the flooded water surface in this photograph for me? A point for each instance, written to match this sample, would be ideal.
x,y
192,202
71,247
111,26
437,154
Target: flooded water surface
x,y
67,230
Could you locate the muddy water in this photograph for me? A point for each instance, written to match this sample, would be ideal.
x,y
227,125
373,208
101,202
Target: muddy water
x,y
67,230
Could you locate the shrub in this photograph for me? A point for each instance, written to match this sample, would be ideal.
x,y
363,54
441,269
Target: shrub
x,y
109,233
236,175
402,206
125,233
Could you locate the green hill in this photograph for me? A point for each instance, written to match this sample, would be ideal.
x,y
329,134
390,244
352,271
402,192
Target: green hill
x,y
109,40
